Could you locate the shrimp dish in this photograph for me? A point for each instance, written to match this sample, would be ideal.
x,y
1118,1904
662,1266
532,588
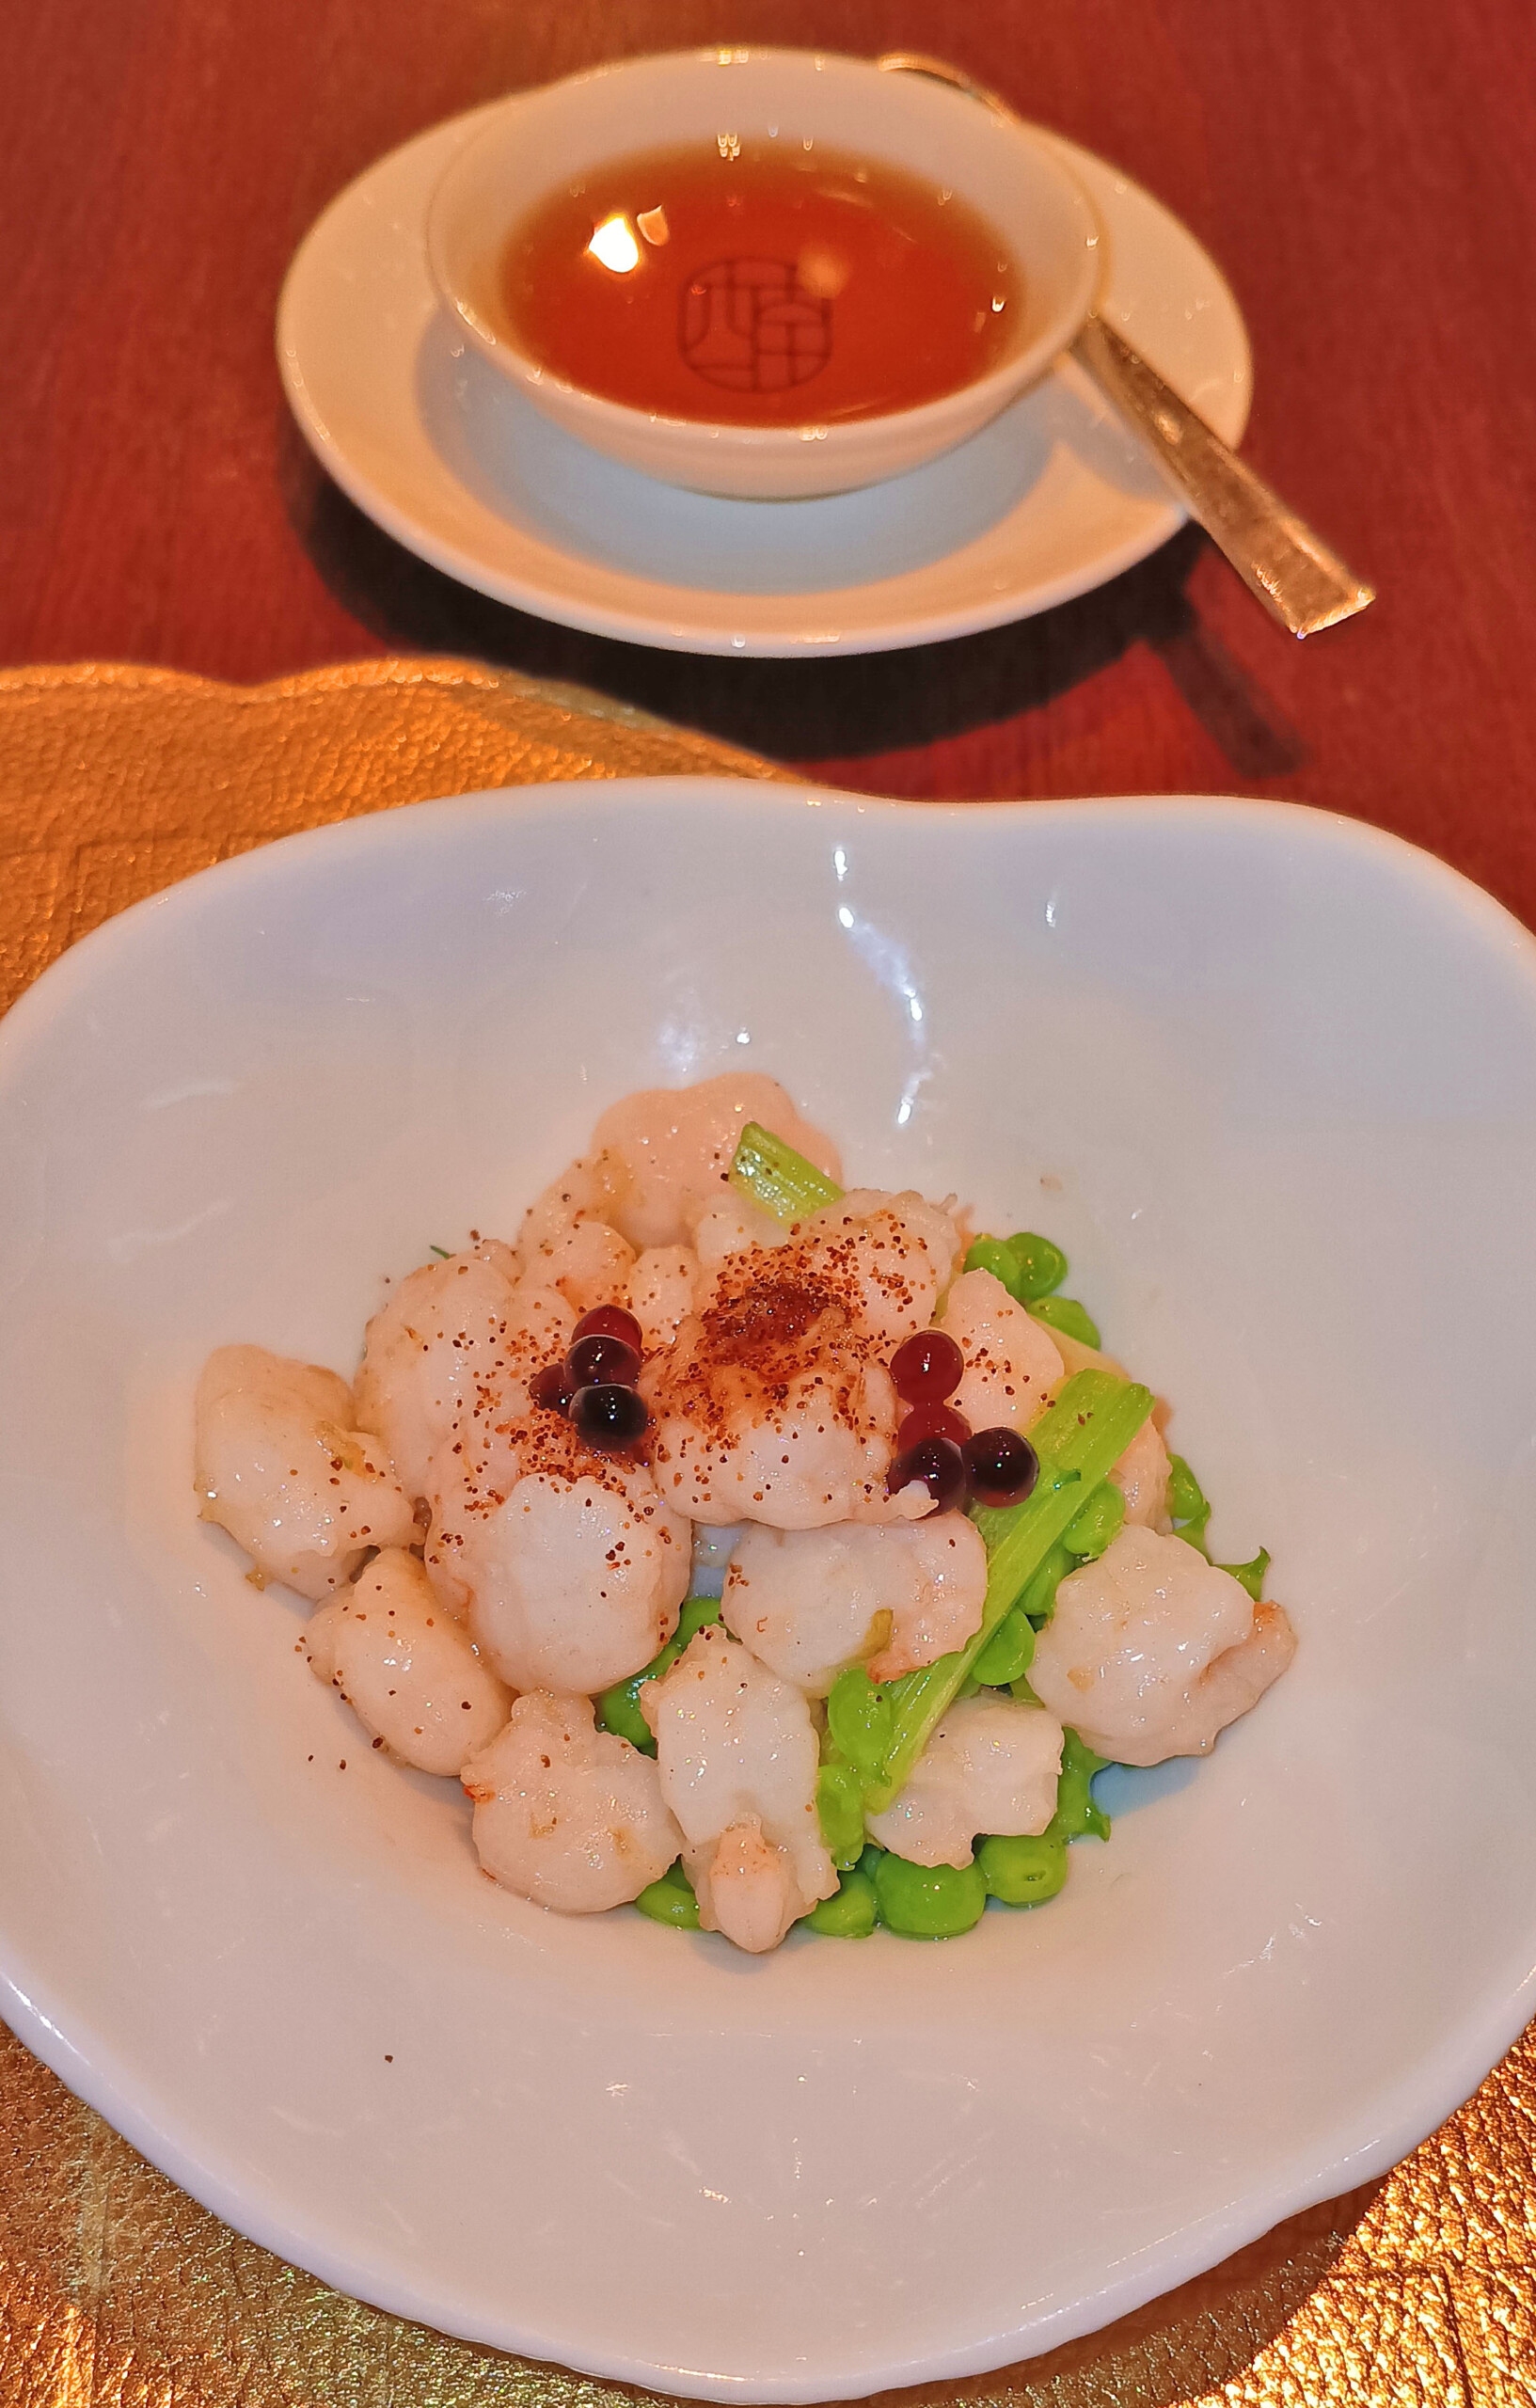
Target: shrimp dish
x,y
755,1552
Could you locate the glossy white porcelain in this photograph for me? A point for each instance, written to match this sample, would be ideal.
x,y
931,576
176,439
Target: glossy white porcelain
x,y
533,142
450,459
1269,1078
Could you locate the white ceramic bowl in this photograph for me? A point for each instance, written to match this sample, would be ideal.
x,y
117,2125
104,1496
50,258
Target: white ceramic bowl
x,y
1271,1079
539,139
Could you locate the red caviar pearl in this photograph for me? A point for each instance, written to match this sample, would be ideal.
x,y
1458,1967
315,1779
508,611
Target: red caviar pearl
x,y
602,1356
609,1321
938,1462
609,1415
552,1387
1004,1466
932,1421
928,1367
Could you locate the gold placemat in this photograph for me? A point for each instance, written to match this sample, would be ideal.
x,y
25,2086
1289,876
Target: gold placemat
x,y
115,2292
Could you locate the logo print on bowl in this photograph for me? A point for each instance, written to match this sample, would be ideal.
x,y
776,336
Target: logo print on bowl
x,y
751,325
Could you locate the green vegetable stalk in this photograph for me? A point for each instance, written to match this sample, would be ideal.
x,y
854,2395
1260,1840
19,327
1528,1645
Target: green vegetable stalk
x,y
774,1176
1087,1429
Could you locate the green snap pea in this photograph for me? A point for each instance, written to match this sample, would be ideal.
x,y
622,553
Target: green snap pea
x,y
1028,1266
1039,1595
928,1901
1066,1313
1096,1522
1038,1265
1076,1815
1189,1508
618,1709
859,1719
670,1900
840,1806
996,1256
849,1913
1024,1872
1186,1498
1251,1575
1008,1652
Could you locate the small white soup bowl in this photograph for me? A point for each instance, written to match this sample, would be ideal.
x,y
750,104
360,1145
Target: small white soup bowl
x,y
1009,173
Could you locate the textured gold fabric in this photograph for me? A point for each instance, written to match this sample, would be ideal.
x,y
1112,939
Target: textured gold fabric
x,y
115,782
115,2292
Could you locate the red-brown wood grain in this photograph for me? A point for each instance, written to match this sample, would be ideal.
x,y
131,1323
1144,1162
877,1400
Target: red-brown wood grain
x,y
1365,173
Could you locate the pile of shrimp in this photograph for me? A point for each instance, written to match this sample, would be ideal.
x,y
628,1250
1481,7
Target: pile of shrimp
x,y
481,1575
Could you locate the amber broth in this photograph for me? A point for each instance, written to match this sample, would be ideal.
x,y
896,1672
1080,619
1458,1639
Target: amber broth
x,y
765,283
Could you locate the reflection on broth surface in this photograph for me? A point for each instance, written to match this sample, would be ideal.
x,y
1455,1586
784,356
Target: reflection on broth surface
x,y
763,283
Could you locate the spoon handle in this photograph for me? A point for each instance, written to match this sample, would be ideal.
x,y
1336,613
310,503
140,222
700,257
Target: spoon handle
x,y
1293,572
1276,554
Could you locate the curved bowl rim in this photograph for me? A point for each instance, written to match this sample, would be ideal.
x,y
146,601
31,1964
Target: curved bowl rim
x,y
73,2046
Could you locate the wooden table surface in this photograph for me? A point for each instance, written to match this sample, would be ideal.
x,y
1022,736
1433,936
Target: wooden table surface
x,y
1365,174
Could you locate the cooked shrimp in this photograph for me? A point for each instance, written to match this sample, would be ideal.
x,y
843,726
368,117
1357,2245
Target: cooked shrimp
x,y
443,1329
584,1191
808,1603
1238,1679
566,1814
669,1147
1142,1476
566,1242
766,1411
738,1759
409,1672
1077,1355
990,1765
889,1257
1012,1362
539,1325
1141,1471
570,1565
731,1225
1151,1650
281,1464
661,1294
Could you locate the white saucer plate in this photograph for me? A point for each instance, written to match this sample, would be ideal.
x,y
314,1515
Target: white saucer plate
x,y
1050,499
1271,1080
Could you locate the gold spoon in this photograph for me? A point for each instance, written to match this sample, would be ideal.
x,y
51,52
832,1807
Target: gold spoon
x,y
1275,553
